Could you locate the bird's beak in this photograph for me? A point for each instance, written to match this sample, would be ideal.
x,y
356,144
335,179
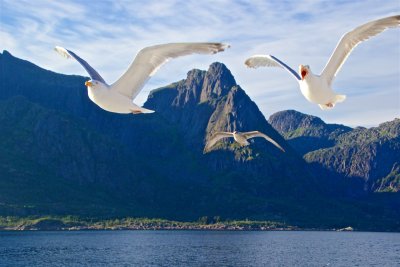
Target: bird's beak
x,y
303,71
88,83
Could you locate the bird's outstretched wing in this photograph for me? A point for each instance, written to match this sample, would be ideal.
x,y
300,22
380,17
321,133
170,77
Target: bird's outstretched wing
x,y
215,138
260,134
269,61
351,39
94,75
151,58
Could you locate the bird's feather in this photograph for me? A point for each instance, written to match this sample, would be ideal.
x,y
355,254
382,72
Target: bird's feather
x,y
351,39
269,61
150,59
215,138
94,75
259,134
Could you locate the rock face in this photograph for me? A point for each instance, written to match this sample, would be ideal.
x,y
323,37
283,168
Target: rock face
x,y
390,183
64,155
371,155
207,102
367,157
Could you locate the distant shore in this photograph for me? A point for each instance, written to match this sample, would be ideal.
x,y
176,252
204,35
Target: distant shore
x,y
76,224
211,227
70,223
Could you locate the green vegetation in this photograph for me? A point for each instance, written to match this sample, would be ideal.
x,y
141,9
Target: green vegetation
x,y
390,183
61,155
80,223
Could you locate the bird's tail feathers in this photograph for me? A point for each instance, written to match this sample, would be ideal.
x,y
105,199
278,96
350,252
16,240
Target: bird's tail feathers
x,y
140,110
337,99
62,51
325,107
145,110
340,98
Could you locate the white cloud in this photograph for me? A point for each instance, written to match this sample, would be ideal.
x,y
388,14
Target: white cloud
x,y
7,41
109,33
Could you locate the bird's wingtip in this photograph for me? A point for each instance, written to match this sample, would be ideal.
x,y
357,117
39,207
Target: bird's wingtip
x,y
225,46
220,47
62,51
250,62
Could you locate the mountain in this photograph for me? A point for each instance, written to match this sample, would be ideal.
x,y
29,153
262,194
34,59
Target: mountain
x,y
306,133
237,181
369,158
67,156
370,155
210,101
47,162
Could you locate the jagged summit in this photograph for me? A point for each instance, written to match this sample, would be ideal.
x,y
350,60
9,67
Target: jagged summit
x,y
206,102
218,81
199,86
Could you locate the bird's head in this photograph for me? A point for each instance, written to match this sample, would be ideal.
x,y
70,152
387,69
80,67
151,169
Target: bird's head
x,y
93,84
304,70
235,132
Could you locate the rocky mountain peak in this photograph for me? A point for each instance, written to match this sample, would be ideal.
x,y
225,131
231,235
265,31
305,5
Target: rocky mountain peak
x,y
198,87
207,102
218,81
290,120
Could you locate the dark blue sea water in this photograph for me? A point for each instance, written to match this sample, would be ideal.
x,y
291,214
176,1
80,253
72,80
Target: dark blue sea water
x,y
199,248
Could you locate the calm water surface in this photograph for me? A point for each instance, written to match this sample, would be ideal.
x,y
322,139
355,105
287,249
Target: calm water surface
x,y
198,248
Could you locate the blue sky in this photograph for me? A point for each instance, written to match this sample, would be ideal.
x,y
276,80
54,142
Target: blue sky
x,y
108,35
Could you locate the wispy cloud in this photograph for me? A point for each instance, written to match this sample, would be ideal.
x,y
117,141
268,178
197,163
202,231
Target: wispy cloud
x,y
109,33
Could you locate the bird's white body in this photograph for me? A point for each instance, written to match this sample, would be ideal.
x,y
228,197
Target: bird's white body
x,y
113,101
242,140
118,97
318,88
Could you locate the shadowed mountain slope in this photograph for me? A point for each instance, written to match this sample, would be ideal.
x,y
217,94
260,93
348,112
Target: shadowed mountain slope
x,y
72,153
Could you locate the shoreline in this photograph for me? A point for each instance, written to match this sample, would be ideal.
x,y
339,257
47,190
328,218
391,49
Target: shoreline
x,y
94,228
70,223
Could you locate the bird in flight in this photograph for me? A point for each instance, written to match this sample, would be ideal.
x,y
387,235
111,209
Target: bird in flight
x,y
318,88
239,137
118,97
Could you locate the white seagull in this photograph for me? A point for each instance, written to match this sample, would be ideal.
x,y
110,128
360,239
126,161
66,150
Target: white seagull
x,y
118,96
239,137
318,88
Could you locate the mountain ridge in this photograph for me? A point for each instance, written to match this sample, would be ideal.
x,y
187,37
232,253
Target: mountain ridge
x,y
367,156
167,175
